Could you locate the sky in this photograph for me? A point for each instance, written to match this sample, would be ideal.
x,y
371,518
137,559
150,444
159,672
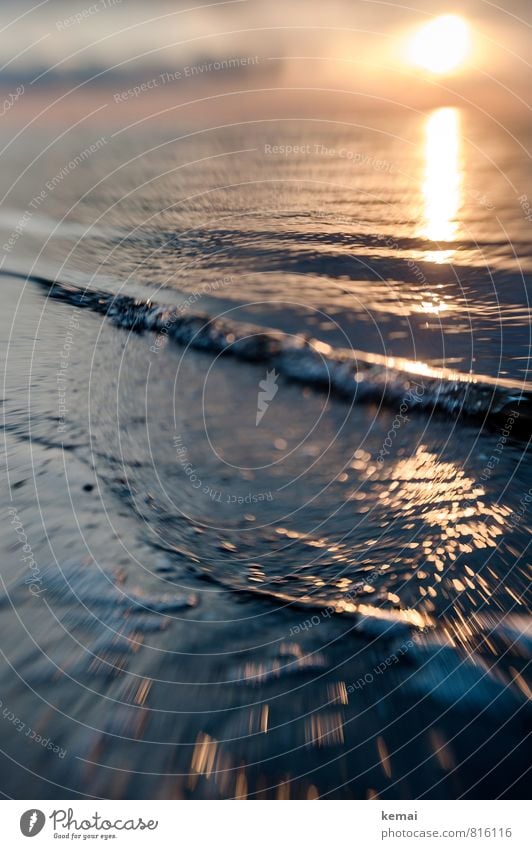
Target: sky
x,y
339,45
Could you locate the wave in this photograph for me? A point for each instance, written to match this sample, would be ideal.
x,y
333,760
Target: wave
x,y
356,375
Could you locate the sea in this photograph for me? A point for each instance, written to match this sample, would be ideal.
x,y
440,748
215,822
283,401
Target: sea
x,y
266,414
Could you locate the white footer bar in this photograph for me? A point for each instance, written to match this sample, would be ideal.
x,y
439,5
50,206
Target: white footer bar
x,y
266,825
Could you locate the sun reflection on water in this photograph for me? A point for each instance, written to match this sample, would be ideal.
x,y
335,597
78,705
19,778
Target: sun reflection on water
x,y
442,186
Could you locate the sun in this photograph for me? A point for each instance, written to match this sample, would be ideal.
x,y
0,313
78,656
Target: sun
x,y
442,45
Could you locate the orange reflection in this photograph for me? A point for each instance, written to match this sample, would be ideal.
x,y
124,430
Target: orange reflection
x,y
458,516
442,187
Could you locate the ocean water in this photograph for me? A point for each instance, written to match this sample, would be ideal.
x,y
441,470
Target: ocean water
x,y
267,415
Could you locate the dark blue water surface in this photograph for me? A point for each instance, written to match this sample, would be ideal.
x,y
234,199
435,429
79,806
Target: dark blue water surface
x,y
269,557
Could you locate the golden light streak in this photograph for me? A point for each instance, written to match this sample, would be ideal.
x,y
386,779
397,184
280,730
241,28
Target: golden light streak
x,y
442,186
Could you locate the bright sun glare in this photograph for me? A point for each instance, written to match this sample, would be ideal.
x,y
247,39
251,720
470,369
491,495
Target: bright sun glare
x,y
442,45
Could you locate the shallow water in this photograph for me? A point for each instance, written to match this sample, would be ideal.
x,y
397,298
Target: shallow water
x,y
265,559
